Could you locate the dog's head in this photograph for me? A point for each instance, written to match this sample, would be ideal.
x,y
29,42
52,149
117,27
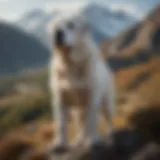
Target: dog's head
x,y
69,31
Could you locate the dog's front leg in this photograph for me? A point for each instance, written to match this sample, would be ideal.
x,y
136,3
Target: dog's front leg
x,y
60,116
89,132
91,128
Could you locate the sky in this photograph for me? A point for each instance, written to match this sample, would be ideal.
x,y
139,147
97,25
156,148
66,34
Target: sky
x,y
11,10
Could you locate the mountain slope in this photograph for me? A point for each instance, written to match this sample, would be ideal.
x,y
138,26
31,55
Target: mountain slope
x,y
141,38
135,56
19,51
135,45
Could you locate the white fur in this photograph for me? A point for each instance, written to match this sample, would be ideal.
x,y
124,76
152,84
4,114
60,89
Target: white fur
x,y
99,79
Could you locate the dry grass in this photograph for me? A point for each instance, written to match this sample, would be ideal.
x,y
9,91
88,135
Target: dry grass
x,y
139,85
131,73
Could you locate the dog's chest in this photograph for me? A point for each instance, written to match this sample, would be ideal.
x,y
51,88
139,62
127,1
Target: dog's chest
x,y
72,76
74,87
76,97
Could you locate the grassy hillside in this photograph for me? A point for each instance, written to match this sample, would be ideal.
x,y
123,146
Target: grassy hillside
x,y
26,98
23,99
140,40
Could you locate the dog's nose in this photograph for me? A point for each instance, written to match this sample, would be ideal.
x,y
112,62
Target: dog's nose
x,y
59,37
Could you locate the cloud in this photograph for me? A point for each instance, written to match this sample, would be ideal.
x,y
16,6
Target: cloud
x,y
3,1
10,17
129,8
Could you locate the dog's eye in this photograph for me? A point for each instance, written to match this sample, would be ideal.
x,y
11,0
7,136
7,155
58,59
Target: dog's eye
x,y
70,26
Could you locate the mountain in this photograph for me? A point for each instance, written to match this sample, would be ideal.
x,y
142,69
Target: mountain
x,y
35,22
30,20
105,23
29,49
19,51
136,44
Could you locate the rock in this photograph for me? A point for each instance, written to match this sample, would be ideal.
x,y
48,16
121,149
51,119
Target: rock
x,y
121,145
150,152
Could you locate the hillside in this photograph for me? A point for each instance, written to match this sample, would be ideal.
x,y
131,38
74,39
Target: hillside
x,y
135,57
19,51
139,85
139,40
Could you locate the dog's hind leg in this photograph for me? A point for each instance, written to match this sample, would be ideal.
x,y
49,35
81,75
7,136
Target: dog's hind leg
x,y
109,110
91,128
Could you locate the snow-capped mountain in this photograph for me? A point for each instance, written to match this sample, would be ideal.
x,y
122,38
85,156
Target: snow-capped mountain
x,y
36,22
105,22
30,20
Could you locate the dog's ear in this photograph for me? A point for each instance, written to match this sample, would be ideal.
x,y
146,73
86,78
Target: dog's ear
x,y
87,26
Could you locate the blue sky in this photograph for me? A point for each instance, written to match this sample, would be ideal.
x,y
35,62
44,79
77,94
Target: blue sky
x,y
12,9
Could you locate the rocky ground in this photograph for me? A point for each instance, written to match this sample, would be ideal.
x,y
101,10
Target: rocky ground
x,y
140,141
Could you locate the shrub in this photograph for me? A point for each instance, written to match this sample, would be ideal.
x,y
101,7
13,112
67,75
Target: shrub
x,y
23,110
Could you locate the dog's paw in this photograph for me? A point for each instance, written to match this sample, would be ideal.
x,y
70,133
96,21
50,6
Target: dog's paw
x,y
92,141
60,149
78,142
87,143
57,148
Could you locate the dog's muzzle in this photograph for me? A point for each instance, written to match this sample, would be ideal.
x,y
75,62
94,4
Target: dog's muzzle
x,y
59,38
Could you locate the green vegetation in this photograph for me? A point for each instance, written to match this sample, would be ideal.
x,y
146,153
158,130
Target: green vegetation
x,y
17,109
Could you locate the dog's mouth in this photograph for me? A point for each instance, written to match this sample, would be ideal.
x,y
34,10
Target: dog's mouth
x,y
64,49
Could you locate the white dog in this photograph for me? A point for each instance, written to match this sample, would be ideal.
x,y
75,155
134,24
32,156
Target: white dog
x,y
81,82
